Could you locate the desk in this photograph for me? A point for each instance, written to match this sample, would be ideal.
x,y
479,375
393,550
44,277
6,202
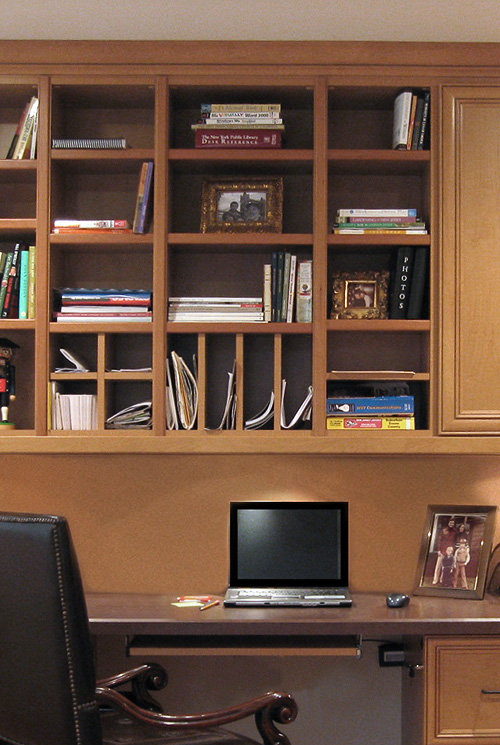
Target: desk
x,y
440,632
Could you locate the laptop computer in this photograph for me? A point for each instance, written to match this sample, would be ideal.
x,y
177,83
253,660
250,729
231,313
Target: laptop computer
x,y
288,554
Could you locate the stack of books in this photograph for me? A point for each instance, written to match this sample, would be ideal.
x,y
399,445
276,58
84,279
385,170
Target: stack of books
x,y
91,226
287,289
216,309
411,120
72,411
23,144
405,221
251,125
370,412
17,282
97,305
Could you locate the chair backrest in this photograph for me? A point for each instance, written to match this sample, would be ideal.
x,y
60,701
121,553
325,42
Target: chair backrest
x,y
47,677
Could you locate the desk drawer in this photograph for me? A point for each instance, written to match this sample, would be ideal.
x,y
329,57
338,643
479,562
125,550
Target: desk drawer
x,y
462,693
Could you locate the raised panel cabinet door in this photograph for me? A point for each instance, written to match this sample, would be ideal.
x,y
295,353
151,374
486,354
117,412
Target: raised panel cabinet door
x,y
470,261
462,690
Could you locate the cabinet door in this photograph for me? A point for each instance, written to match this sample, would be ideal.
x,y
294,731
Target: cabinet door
x,y
471,260
462,690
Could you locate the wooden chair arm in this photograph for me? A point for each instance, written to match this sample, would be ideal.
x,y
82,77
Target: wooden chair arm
x,y
269,708
145,678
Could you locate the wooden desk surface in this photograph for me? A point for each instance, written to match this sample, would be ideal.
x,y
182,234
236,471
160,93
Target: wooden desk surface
x,y
136,614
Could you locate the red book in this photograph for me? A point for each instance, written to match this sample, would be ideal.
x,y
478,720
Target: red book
x,y
238,138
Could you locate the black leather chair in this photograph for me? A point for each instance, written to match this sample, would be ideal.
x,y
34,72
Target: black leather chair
x,y
48,690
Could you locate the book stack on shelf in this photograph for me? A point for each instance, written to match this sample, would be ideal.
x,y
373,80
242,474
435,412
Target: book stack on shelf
x,y
98,305
411,120
23,144
409,283
361,221
91,226
73,411
216,309
364,407
250,125
17,282
287,289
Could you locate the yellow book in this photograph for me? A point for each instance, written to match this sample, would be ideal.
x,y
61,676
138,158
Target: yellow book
x,y
374,422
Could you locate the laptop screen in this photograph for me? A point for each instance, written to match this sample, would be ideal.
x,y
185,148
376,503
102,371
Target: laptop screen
x,y
287,544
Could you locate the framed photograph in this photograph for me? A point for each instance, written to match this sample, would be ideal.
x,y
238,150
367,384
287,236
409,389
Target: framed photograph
x,y
242,206
455,551
360,294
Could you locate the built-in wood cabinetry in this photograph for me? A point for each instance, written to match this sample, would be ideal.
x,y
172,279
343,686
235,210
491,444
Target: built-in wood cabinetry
x,y
462,692
470,260
337,102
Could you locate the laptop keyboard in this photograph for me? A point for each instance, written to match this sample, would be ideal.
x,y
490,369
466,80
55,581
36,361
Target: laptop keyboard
x,y
289,593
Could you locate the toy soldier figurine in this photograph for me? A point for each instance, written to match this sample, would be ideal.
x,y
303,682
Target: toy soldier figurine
x,y
7,380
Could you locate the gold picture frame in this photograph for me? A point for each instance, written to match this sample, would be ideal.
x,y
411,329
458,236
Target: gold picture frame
x,y
455,551
230,205
360,294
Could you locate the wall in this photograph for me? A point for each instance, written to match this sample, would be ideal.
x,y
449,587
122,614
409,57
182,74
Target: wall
x,y
133,516
386,20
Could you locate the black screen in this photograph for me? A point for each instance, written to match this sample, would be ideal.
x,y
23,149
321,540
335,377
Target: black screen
x,y
282,544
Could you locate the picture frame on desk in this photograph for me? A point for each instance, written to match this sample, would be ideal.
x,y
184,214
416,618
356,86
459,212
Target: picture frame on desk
x,y
360,295
242,206
455,551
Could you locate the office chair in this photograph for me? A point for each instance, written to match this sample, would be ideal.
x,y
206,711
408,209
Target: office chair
x,y
49,694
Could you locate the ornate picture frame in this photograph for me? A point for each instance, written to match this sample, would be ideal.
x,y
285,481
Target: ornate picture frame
x,y
253,205
455,551
360,295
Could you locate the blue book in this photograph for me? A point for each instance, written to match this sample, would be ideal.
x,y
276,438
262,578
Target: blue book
x,y
373,405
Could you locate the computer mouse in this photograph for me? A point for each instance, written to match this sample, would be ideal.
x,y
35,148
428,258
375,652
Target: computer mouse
x,y
397,600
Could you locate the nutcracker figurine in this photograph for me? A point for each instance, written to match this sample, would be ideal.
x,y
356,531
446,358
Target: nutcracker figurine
x,y
7,380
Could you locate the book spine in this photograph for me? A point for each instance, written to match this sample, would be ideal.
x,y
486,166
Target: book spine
x,y
267,293
32,282
18,131
286,286
379,231
207,108
394,221
10,281
418,122
383,405
244,115
84,224
401,121
26,130
291,289
411,124
418,282
424,129
237,138
235,127
144,200
401,282
23,284
5,279
389,213
357,224
381,422
104,143
304,291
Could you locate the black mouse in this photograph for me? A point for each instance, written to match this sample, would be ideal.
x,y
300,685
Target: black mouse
x,y
397,600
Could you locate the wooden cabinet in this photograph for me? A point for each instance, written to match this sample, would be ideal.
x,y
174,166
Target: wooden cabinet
x,y
462,697
470,260
338,113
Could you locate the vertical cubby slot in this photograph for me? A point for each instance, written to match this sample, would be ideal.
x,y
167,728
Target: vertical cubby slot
x,y
187,347
82,346
69,410
296,370
117,111
361,117
220,365
377,350
18,193
22,408
258,376
215,272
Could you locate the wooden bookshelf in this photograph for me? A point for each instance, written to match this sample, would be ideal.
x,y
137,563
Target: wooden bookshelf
x,y
337,101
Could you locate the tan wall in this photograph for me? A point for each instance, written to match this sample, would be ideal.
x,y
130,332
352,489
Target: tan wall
x,y
149,523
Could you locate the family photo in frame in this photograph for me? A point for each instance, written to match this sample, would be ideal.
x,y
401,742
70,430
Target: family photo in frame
x,y
360,294
237,206
455,551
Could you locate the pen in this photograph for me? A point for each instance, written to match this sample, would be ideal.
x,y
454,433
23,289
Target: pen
x,y
209,605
